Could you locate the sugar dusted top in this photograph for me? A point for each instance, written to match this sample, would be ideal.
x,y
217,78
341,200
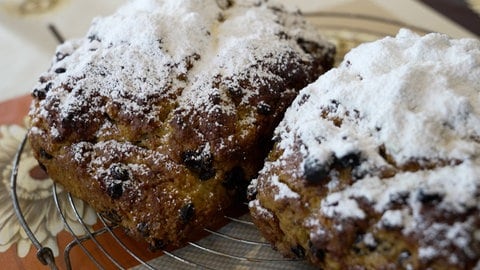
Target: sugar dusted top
x,y
188,55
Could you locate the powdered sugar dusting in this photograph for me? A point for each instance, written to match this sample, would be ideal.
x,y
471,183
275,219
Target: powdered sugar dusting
x,y
153,51
284,192
397,101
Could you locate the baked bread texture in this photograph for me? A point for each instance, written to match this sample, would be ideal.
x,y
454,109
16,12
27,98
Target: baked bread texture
x,y
377,164
159,117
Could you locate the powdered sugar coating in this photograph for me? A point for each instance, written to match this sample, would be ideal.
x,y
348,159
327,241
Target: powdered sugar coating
x,y
408,107
421,93
178,63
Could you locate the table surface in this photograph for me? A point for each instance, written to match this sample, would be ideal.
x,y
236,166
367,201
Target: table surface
x,y
27,46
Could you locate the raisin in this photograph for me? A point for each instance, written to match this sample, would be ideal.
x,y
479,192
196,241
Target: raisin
x,y
48,86
429,197
350,160
60,70
315,172
39,94
187,212
114,190
119,172
200,163
264,109
299,251
44,154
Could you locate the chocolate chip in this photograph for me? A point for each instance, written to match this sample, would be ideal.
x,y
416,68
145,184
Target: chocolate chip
x,y
143,229
315,172
114,190
44,154
264,109
299,251
120,172
199,162
60,70
428,197
187,212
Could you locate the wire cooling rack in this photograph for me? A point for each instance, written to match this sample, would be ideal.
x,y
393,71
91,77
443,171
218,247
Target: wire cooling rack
x,y
238,244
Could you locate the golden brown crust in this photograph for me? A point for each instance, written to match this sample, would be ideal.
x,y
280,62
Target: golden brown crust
x,y
167,160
